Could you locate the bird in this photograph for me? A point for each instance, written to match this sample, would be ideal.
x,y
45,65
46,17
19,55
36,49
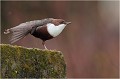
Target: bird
x,y
45,29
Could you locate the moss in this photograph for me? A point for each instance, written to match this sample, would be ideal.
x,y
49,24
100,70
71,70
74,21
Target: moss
x,y
21,62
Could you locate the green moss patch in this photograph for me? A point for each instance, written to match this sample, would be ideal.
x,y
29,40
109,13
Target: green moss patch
x,y
20,62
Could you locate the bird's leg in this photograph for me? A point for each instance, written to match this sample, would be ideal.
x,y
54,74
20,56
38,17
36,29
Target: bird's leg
x,y
43,43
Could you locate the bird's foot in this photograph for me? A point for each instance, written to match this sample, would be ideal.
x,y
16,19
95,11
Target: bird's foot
x,y
7,31
45,47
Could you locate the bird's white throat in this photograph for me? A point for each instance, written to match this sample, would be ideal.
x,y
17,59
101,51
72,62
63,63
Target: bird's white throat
x,y
55,30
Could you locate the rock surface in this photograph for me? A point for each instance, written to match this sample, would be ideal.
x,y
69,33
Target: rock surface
x,y
21,62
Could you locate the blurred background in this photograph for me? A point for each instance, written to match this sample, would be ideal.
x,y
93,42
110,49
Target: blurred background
x,y
90,44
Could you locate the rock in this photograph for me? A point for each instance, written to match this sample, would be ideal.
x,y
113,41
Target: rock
x,y
21,62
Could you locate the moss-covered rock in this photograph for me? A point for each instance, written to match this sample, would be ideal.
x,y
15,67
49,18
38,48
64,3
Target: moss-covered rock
x,y
21,62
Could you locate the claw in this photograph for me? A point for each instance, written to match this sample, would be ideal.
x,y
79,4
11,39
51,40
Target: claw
x,y
7,31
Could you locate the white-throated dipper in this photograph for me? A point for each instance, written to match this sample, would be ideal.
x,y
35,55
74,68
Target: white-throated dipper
x,y
44,29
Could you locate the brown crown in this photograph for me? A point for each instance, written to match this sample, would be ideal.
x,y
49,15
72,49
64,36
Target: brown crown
x,y
57,21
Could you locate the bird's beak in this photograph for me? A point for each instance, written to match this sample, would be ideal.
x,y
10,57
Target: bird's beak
x,y
68,23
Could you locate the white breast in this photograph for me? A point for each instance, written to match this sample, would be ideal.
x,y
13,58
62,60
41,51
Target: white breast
x,y
55,30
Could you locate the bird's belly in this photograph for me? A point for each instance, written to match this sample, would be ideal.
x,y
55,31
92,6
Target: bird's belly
x,y
42,34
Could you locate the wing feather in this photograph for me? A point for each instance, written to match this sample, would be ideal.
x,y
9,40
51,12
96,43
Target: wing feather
x,y
20,31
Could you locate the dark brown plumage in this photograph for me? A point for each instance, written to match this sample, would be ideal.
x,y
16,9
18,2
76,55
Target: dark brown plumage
x,y
42,33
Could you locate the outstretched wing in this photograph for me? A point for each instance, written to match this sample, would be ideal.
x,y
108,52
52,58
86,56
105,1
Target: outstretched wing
x,y
20,31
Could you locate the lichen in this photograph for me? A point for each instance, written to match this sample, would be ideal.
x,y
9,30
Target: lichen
x,y
21,62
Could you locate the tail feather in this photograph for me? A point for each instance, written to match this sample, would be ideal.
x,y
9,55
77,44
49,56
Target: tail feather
x,y
17,33
16,36
13,40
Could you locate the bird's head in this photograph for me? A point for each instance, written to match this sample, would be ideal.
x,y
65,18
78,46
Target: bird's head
x,y
56,26
59,21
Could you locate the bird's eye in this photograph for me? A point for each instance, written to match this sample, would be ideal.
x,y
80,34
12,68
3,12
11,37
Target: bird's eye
x,y
62,22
